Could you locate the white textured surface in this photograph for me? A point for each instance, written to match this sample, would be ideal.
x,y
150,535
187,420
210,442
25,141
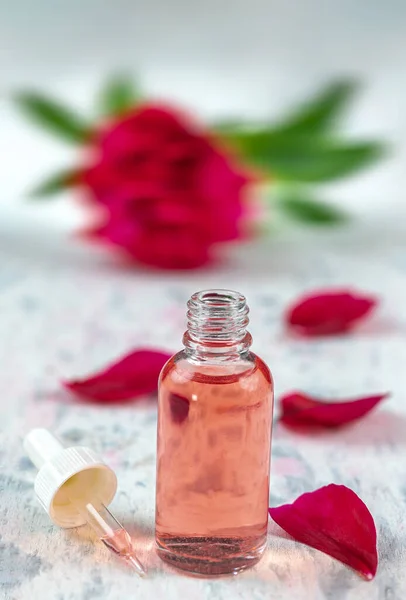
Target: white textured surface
x,y
65,310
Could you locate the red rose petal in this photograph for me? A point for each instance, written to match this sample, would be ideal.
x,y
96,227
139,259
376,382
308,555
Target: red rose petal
x,y
179,408
299,409
134,375
334,520
329,312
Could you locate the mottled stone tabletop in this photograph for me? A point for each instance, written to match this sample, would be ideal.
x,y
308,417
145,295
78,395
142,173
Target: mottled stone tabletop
x,y
65,311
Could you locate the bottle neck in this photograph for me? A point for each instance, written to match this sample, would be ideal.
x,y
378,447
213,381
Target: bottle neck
x,y
217,326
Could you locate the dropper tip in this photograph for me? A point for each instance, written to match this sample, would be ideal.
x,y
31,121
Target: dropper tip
x,y
136,565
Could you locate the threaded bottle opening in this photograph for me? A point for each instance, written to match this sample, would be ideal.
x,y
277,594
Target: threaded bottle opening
x,y
217,321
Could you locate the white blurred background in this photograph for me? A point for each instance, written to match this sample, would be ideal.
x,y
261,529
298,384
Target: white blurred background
x,y
219,57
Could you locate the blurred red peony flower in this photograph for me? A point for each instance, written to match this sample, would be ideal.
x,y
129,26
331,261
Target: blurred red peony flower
x,y
168,193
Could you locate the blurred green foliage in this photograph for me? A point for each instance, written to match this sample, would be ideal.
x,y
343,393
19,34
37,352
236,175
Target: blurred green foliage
x,y
118,95
54,116
303,148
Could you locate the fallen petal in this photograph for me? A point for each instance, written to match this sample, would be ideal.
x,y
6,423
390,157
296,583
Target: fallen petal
x,y
179,408
134,375
328,313
334,520
301,410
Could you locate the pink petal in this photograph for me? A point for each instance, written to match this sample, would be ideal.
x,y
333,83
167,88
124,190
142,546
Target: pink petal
x,y
334,520
134,375
329,312
299,409
179,408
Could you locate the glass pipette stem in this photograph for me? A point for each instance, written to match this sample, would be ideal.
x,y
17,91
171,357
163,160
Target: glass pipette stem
x,y
111,532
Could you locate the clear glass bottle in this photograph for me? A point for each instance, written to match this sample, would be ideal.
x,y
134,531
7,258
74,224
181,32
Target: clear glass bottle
x,y
214,439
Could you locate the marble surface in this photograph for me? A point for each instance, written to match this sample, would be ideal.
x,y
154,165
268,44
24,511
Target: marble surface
x,y
65,311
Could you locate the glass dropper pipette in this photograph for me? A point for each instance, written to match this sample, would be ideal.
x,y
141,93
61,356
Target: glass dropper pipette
x,y
111,533
75,486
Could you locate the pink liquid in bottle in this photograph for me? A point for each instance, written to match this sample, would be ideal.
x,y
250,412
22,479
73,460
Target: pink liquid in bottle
x,y
214,436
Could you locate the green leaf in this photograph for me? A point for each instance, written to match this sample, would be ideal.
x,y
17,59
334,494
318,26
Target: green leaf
x,y
321,112
299,206
55,183
53,116
118,96
303,158
312,117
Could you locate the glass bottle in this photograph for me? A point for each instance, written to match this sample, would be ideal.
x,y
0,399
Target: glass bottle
x,y
214,439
